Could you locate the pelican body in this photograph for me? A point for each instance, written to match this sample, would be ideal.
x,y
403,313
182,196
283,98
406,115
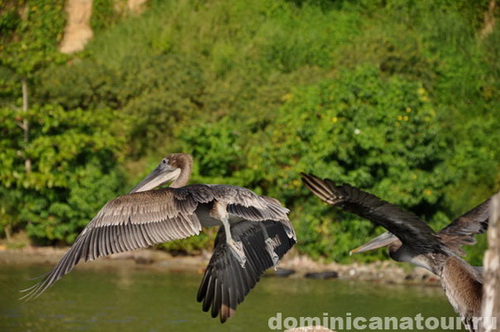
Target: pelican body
x,y
411,240
255,231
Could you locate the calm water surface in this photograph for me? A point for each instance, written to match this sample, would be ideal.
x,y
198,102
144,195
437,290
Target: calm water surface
x,y
150,300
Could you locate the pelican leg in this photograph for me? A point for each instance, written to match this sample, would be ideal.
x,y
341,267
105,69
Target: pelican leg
x,y
270,245
219,211
236,246
470,325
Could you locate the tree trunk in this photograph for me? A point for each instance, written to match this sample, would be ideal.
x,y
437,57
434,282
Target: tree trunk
x,y
491,288
26,125
7,231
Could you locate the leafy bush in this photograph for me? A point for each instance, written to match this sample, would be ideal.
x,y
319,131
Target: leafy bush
x,y
36,36
153,94
380,134
74,169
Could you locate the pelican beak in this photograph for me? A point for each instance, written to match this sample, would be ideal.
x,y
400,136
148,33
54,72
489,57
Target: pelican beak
x,y
380,241
162,174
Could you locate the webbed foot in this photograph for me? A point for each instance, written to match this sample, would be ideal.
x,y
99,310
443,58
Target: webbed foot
x,y
237,249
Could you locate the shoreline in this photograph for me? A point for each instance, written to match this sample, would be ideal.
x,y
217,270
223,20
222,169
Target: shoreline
x,y
292,266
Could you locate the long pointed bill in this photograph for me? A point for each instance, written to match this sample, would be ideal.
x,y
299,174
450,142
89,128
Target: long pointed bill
x,y
159,176
380,241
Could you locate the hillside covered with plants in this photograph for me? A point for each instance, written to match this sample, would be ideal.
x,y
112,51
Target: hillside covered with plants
x,y
399,98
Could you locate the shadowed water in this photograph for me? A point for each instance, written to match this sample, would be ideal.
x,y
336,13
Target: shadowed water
x,y
150,300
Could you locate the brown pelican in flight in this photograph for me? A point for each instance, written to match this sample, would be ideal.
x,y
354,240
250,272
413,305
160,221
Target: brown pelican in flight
x,y
254,235
411,240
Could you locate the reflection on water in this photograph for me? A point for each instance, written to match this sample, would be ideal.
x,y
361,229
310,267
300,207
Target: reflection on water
x,y
148,300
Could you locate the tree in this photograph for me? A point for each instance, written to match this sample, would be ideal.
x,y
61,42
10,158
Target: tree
x,y
74,172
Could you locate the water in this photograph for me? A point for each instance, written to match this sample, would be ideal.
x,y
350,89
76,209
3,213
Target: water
x,y
136,299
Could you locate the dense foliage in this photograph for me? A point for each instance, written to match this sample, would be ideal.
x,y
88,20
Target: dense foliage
x,y
396,97
74,170
29,33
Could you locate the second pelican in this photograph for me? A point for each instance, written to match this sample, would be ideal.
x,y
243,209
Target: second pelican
x,y
411,240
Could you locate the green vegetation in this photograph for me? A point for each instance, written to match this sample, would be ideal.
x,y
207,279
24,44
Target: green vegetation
x,y
74,170
399,98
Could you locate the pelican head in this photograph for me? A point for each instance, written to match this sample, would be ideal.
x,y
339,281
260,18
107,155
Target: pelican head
x,y
169,169
383,240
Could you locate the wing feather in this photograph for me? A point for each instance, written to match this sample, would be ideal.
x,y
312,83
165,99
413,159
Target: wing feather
x,y
409,228
225,282
249,206
461,231
126,223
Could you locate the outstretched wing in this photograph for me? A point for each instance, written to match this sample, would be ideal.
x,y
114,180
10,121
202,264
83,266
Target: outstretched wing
x,y
461,231
410,229
225,282
130,222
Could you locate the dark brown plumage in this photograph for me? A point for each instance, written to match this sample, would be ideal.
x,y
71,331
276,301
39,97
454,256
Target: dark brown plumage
x,y
145,217
225,282
412,240
461,230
